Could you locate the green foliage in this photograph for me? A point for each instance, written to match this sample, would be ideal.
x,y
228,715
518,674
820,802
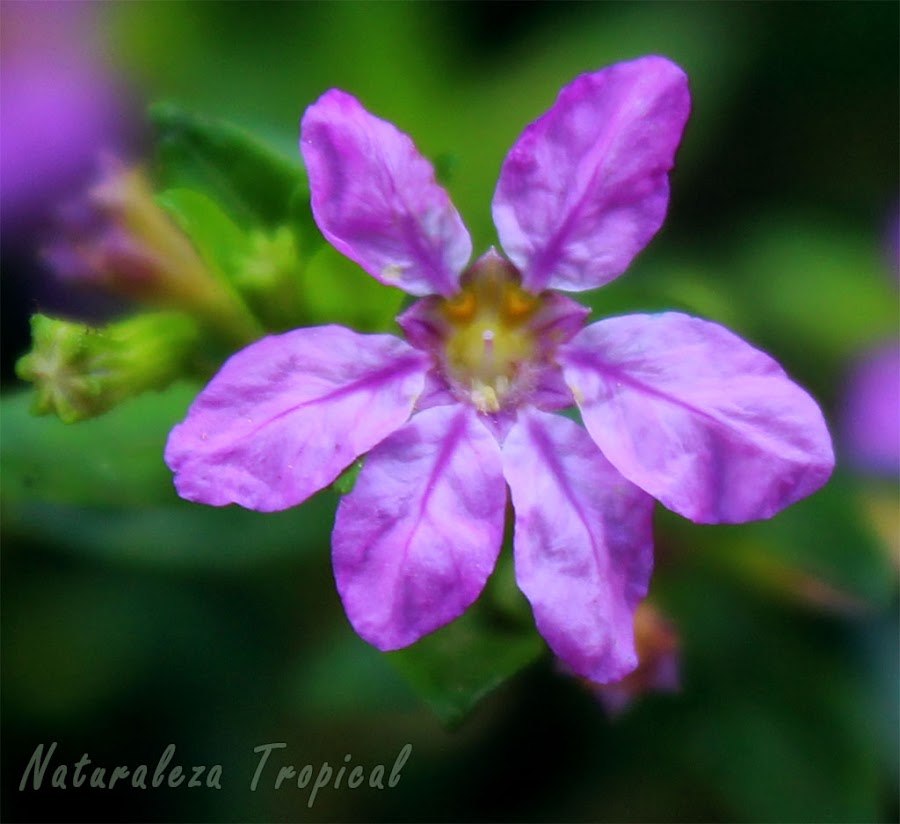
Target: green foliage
x,y
821,551
217,238
114,461
246,209
325,681
263,266
455,667
178,536
101,489
345,482
336,290
807,286
775,716
828,537
253,182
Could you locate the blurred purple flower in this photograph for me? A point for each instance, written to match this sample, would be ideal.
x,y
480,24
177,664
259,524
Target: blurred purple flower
x,y
871,413
674,406
59,104
116,236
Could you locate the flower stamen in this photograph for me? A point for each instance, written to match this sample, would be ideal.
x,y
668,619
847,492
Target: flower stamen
x,y
487,336
488,339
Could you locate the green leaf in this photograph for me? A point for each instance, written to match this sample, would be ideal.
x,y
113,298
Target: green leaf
x,y
325,680
821,550
218,239
445,166
182,535
345,482
112,461
262,266
253,182
827,536
454,668
79,639
817,292
775,717
336,290
101,488
789,761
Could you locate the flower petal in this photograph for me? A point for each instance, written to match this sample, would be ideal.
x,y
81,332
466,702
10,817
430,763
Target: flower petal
x,y
423,324
417,538
375,198
586,185
583,544
286,415
697,417
557,320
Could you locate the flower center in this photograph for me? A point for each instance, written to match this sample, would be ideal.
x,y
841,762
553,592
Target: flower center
x,y
490,341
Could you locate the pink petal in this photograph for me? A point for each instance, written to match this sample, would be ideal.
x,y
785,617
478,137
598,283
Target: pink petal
x,y
437,392
697,417
558,320
583,544
286,415
586,185
423,324
375,199
417,538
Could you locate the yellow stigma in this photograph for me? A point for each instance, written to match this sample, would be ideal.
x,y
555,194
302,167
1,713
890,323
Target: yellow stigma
x,y
490,337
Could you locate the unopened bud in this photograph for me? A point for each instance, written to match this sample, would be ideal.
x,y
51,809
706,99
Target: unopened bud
x,y
81,371
119,238
659,663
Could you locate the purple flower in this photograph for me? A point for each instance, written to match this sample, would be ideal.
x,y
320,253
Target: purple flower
x,y
675,407
60,103
870,409
871,412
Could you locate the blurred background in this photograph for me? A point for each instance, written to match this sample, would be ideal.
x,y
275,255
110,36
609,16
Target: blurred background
x,y
132,620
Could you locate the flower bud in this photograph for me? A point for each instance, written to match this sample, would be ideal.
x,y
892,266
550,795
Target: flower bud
x,y
81,371
658,669
119,238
